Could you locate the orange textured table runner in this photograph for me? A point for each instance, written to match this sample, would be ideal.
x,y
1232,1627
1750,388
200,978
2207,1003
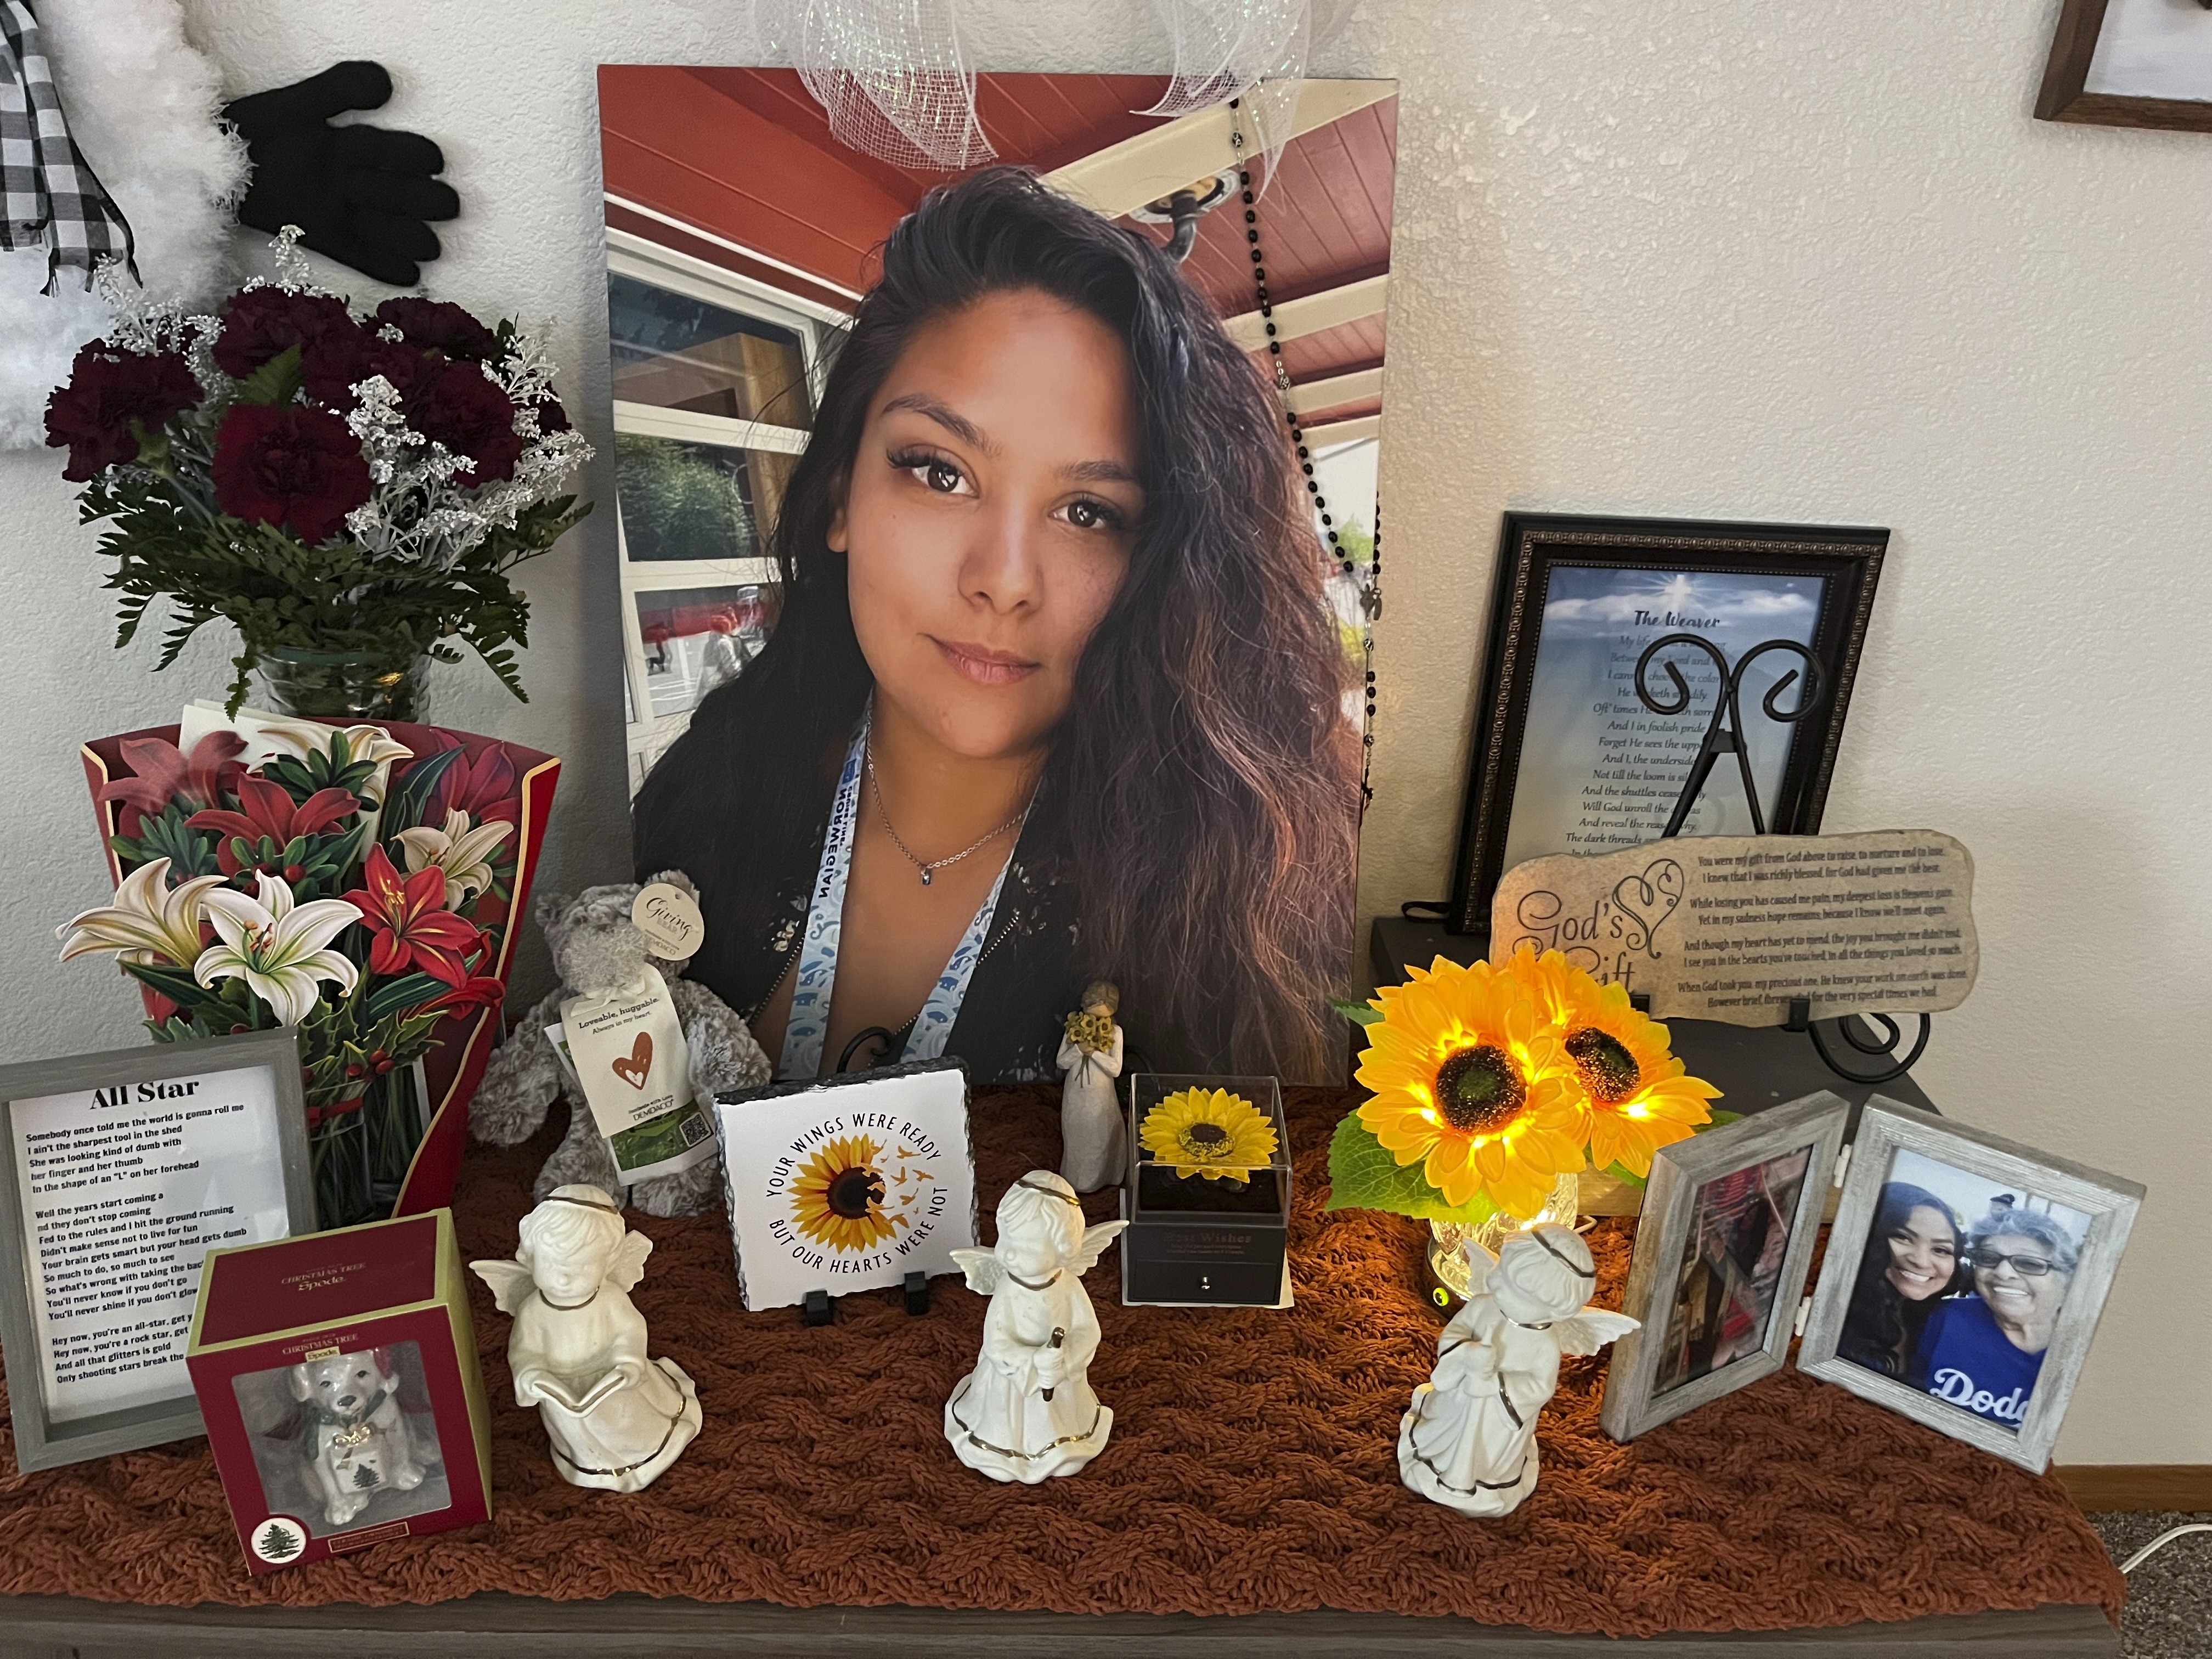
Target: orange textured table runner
x,y
1252,1468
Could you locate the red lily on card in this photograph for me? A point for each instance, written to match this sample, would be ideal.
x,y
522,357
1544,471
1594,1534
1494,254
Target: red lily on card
x,y
408,924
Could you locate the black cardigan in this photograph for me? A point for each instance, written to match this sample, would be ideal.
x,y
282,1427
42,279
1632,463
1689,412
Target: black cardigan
x,y
1010,1021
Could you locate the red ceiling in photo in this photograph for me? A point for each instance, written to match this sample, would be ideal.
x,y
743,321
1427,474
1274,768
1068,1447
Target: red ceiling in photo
x,y
746,155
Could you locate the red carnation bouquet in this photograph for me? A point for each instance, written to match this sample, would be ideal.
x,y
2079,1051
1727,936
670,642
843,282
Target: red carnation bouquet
x,y
357,886
339,486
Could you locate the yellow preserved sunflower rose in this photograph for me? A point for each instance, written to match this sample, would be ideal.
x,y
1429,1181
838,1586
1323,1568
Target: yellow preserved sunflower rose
x,y
1634,1091
1469,1081
1208,1132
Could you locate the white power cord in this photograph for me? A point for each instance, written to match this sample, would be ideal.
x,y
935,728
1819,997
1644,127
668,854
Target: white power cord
x,y
2161,1542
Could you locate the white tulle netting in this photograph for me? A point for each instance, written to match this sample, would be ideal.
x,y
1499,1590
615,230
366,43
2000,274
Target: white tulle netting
x,y
1251,49
890,74
893,80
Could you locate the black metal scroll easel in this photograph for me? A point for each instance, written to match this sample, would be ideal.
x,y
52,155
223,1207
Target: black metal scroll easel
x,y
1724,736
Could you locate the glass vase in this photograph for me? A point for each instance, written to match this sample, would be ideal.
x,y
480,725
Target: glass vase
x,y
343,685
392,1107
339,1154
1448,1271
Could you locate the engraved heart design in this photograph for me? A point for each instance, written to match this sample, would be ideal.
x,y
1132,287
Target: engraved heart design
x,y
1648,899
634,1067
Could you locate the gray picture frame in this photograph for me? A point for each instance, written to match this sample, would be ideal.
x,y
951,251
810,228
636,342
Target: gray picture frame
x,y
41,1443
2110,1201
1678,1172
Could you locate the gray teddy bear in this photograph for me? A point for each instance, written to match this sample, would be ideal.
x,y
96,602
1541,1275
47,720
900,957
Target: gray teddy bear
x,y
597,950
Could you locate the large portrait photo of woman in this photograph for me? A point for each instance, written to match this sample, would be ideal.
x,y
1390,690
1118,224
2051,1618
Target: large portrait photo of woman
x,y
990,628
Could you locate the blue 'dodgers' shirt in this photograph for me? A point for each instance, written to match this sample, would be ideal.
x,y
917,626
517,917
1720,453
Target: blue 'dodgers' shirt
x,y
1965,1360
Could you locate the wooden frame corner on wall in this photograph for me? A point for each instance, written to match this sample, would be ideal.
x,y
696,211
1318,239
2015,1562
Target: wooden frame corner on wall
x,y
2065,95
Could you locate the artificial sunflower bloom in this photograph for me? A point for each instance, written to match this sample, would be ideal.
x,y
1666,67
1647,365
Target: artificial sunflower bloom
x,y
1469,1080
1210,1132
1637,1095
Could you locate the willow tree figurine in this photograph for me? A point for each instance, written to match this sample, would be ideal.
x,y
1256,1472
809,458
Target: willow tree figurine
x,y
1094,1148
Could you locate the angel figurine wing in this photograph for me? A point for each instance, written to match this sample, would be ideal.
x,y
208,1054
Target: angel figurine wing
x,y
511,1282
1480,1264
628,1264
985,1275
1587,1331
1095,1240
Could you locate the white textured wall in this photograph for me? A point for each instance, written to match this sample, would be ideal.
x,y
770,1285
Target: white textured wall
x,y
1728,260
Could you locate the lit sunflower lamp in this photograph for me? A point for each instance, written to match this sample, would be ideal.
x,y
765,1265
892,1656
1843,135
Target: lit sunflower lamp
x,y
1492,1088
1209,1193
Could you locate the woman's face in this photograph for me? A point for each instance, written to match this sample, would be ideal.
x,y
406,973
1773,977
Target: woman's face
x,y
1923,1253
990,516
2013,1298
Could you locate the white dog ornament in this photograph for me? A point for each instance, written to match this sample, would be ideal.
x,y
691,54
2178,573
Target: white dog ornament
x,y
358,1442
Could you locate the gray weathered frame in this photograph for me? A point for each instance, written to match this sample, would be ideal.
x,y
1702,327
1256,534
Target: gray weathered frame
x,y
41,1443
1816,1120
2110,1200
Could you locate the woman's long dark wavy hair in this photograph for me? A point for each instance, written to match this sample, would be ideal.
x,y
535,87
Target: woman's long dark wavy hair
x,y
1201,797
1880,1328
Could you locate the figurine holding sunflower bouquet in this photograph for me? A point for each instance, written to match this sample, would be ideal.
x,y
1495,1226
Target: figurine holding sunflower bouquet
x,y
1493,1087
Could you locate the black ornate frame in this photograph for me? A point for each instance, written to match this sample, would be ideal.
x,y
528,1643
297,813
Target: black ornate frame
x,y
1849,557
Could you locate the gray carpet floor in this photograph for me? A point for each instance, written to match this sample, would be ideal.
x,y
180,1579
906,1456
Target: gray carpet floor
x,y
2169,1613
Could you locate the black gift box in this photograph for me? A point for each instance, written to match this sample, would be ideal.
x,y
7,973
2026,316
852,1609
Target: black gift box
x,y
1196,1242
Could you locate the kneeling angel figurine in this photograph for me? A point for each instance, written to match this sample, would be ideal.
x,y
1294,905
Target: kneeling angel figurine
x,y
617,1418
1027,1412
1468,1441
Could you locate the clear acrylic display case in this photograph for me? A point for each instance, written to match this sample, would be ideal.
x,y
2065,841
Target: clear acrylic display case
x,y
1199,1242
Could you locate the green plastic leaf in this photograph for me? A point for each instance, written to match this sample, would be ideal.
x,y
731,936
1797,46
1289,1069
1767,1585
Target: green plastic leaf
x,y
1359,1014
176,983
1364,1175
397,996
277,381
409,798
1620,1172
1722,1119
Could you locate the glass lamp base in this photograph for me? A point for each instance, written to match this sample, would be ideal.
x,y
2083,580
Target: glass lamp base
x,y
1448,1278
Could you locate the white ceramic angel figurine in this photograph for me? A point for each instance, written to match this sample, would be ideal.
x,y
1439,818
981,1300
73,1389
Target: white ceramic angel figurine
x,y
1094,1143
1027,1412
1469,1439
617,1418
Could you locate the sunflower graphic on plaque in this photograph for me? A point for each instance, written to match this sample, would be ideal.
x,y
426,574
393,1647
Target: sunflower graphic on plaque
x,y
849,1183
838,1199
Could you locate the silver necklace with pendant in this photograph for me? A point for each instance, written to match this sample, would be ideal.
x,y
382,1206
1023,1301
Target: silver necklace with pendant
x,y
927,866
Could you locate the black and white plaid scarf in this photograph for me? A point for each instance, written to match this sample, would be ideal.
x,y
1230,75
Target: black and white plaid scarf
x,y
48,196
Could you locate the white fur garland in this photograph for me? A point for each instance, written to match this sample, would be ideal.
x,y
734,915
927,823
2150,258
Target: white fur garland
x,y
142,105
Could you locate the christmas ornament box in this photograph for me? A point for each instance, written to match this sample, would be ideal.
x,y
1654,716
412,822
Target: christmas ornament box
x,y
297,1344
1193,1241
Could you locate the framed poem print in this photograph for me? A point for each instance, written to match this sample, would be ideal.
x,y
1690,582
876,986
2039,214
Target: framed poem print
x,y
119,1173
1729,1221
1965,1277
1603,677
2130,63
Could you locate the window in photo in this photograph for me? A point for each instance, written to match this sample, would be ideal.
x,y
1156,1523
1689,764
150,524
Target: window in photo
x,y
1725,1290
671,350
696,639
1960,1286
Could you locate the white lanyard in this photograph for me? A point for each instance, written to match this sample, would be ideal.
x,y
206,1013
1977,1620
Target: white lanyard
x,y
809,1023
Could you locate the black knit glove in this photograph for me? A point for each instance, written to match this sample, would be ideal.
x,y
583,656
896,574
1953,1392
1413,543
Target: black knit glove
x,y
359,194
